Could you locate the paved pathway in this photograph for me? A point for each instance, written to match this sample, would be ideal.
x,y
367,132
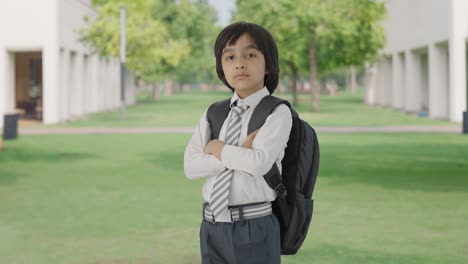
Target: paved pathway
x,y
143,130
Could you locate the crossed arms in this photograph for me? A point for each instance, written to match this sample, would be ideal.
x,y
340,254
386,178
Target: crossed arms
x,y
204,157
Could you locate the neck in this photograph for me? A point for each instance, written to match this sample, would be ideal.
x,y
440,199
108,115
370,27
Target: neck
x,y
247,93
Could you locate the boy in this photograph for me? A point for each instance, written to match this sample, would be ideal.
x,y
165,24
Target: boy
x,y
238,225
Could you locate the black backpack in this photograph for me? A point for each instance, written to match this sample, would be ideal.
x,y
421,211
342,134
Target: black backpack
x,y
294,205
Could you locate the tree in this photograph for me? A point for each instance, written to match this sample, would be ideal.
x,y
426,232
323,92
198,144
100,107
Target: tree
x,y
150,48
193,21
333,33
340,33
167,39
276,18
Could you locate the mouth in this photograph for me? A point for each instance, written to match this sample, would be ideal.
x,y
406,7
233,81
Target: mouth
x,y
241,76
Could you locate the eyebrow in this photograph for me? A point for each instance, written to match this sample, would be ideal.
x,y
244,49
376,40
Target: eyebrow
x,y
246,48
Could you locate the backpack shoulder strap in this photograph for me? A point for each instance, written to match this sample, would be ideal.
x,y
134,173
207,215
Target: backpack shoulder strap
x,y
216,114
259,116
263,110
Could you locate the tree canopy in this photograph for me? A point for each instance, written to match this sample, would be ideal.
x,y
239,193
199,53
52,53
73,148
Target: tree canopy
x,y
164,37
319,36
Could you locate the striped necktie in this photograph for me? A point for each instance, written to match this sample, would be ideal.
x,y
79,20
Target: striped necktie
x,y
222,185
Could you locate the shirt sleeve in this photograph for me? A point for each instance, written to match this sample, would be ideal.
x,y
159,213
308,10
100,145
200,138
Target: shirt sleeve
x,y
198,164
271,139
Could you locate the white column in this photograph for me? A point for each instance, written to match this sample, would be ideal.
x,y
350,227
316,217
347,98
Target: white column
x,y
438,82
85,85
105,87
113,85
388,82
51,84
99,88
370,83
116,82
108,94
413,87
61,83
398,81
3,82
7,83
380,82
109,82
72,85
64,107
50,66
457,59
102,86
424,82
94,81
78,85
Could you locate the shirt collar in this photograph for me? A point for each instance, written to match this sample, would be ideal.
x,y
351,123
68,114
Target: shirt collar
x,y
251,100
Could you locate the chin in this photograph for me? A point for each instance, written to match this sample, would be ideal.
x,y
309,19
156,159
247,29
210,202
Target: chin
x,y
243,86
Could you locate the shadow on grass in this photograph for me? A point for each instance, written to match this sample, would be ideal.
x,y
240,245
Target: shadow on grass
x,y
8,176
13,154
430,167
173,160
327,253
15,157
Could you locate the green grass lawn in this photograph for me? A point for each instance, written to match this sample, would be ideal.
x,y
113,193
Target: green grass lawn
x,y
185,110
380,198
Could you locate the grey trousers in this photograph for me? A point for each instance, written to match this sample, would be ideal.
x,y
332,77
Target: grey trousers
x,y
253,241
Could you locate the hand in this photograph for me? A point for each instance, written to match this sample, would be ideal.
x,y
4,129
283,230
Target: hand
x,y
214,147
250,138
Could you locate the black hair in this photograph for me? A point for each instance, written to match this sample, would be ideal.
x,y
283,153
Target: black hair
x,y
265,43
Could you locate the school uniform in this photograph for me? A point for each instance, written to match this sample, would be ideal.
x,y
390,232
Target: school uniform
x,y
250,234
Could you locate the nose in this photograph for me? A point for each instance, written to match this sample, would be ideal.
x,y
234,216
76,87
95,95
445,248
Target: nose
x,y
240,64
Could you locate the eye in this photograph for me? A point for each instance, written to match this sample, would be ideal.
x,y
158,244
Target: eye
x,y
228,58
252,55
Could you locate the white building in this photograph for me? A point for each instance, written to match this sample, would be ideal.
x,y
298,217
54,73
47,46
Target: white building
x,y
46,73
424,65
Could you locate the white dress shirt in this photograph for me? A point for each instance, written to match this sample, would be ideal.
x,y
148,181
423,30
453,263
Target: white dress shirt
x,y
247,184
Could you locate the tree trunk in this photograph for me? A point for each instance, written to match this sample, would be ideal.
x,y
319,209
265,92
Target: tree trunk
x,y
348,81
314,88
322,86
280,88
178,87
156,91
293,83
168,87
353,80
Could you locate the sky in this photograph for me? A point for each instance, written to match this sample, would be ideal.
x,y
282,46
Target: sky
x,y
224,8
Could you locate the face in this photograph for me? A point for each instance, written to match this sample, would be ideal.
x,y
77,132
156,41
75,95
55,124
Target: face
x,y
244,66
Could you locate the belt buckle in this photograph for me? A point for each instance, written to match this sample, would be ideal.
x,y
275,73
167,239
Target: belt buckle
x,y
230,214
213,221
212,215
